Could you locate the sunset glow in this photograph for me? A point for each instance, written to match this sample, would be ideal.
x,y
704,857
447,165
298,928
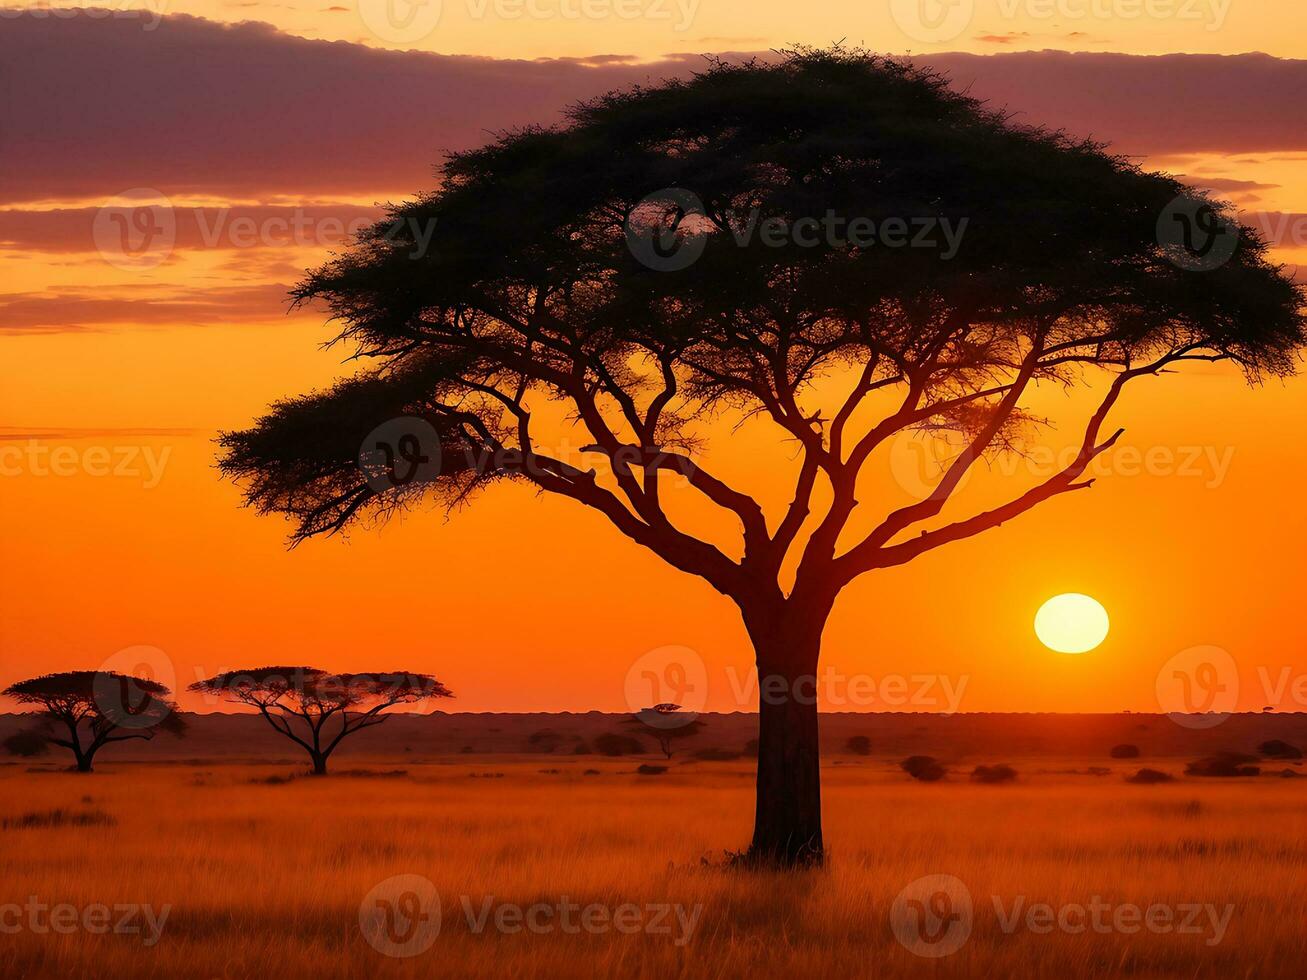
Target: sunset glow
x,y
145,361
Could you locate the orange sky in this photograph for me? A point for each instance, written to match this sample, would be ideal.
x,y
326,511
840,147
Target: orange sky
x,y
129,540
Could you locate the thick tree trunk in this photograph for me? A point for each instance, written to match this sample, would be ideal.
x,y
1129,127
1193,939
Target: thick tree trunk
x,y
787,822
83,756
319,764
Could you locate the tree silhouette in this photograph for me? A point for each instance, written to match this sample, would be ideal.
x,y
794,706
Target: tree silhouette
x,y
317,710
665,723
678,258
85,710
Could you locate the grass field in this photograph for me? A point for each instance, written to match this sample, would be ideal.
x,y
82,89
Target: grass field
x,y
267,878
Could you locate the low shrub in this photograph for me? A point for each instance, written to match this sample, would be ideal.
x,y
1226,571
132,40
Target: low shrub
x,y
924,768
27,745
1223,764
1279,749
1000,773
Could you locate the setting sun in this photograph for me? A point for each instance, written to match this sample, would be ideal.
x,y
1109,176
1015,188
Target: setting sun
x,y
1071,623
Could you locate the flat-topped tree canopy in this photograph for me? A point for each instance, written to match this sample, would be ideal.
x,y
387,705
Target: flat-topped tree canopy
x,y
103,696
317,690
801,240
79,686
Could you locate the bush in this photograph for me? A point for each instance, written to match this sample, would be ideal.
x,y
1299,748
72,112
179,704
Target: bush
x,y
1148,776
27,745
1224,764
1279,749
923,767
648,770
859,745
610,743
1124,751
994,774
582,748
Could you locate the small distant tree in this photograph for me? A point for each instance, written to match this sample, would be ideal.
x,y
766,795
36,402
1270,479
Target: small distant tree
x,y
315,709
85,710
665,723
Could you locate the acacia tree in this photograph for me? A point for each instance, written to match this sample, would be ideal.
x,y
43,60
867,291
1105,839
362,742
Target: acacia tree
x,y
85,710
317,710
665,723
673,259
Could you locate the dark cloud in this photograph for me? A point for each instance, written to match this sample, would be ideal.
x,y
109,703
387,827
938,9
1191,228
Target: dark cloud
x,y
93,107
97,106
1147,104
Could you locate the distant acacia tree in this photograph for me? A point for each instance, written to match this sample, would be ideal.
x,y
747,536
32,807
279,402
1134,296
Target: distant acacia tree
x,y
677,259
665,724
85,710
316,709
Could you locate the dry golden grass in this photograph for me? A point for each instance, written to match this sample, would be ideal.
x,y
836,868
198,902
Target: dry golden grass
x,y
267,879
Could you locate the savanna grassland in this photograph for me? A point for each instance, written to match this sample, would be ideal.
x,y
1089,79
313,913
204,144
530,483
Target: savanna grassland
x,y
265,877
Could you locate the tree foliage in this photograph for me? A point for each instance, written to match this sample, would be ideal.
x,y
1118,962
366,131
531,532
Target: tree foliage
x,y
529,292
